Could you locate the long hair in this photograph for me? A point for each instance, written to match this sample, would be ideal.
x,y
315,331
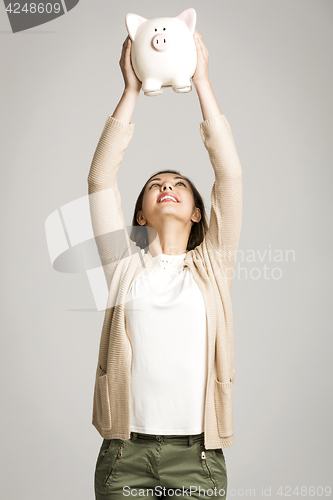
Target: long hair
x,y
139,233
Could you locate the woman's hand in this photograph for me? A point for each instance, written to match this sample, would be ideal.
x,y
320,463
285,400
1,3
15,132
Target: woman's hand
x,y
201,71
130,78
200,79
125,106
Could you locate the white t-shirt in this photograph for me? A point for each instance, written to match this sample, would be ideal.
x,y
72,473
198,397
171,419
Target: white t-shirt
x,y
165,318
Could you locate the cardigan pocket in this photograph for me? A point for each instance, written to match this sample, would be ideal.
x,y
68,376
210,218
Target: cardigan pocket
x,y
103,384
223,393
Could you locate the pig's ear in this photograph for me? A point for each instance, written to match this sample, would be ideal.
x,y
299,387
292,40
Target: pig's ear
x,y
189,17
133,21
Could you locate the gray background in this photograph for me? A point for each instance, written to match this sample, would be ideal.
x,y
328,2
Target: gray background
x,y
271,71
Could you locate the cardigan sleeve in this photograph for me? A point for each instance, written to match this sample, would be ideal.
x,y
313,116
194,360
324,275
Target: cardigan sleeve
x,y
106,213
226,196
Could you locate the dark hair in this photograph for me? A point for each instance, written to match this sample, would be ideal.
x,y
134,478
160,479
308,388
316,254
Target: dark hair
x,y
139,233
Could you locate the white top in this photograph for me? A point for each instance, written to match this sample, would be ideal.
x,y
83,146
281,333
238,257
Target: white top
x,y
165,318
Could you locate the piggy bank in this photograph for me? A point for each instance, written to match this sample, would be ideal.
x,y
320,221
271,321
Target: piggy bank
x,y
163,51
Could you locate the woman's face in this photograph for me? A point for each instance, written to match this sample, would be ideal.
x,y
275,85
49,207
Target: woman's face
x,y
167,194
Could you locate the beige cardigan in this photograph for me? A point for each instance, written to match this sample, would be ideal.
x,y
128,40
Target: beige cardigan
x,y
212,264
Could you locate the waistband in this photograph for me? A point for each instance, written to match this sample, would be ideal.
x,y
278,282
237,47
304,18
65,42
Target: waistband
x,y
188,439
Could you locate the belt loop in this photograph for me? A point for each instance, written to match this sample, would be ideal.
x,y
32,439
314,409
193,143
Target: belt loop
x,y
190,440
134,435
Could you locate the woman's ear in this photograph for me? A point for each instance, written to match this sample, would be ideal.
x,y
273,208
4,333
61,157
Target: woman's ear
x,y
196,215
140,218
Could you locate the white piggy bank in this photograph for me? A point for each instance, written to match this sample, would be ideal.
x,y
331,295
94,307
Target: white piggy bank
x,y
163,51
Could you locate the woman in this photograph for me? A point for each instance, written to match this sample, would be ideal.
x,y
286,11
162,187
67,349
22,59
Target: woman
x,y
165,374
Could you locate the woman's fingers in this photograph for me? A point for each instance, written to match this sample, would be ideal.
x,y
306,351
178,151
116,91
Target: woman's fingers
x,y
126,47
125,42
198,36
201,71
201,48
200,43
130,78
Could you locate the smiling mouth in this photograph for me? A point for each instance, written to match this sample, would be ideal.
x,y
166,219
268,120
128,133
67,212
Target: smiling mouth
x,y
168,198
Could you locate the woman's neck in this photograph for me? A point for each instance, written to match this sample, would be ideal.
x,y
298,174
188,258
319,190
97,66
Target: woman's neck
x,y
168,243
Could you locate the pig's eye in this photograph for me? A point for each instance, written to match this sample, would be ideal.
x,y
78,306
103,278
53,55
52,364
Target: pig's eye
x,y
164,28
155,29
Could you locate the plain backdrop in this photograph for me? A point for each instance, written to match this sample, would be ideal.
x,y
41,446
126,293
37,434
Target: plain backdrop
x,y
270,66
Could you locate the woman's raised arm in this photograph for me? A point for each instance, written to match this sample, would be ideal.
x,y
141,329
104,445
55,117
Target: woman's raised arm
x,y
125,107
107,218
226,197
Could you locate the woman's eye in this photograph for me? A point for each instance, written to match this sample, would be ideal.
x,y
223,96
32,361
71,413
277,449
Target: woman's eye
x,y
156,184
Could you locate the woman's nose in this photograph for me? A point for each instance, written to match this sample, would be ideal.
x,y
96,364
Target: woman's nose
x,y
166,185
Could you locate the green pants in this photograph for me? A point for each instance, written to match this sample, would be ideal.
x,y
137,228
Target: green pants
x,y
159,467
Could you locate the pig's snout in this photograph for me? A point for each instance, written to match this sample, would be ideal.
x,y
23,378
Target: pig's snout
x,y
160,42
